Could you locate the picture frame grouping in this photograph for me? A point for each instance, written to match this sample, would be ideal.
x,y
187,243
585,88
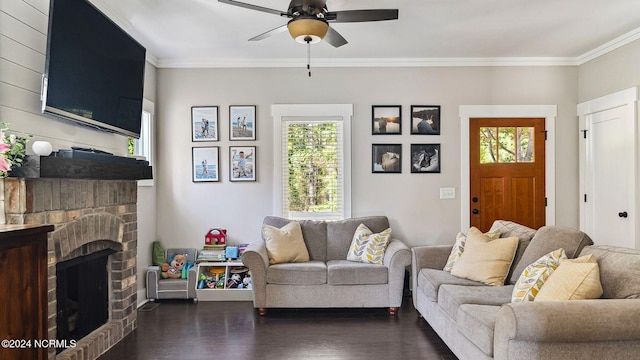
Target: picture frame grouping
x,y
205,123
387,158
205,127
387,120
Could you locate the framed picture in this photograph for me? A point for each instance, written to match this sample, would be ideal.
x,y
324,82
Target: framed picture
x,y
204,123
425,119
386,119
425,158
242,163
242,122
385,158
204,164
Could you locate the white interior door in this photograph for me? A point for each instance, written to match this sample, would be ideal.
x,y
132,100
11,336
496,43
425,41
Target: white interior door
x,y
608,167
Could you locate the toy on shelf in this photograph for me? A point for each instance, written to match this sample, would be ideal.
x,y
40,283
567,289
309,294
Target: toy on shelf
x,y
216,236
246,283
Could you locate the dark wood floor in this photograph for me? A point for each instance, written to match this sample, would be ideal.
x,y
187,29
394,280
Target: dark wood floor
x,y
233,330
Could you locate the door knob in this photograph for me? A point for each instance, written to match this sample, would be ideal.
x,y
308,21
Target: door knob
x,y
623,214
475,211
475,199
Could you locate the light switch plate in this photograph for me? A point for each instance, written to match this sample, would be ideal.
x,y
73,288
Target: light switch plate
x,y
447,193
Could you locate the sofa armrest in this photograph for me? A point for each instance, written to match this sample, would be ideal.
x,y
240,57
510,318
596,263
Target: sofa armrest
x,y
522,327
396,258
430,257
256,258
192,281
152,283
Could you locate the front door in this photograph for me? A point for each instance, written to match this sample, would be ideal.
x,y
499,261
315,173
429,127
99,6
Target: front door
x,y
507,171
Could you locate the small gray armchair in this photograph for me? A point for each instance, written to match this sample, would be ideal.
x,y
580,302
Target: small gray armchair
x,y
159,288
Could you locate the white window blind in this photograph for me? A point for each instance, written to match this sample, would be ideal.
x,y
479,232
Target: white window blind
x,y
314,156
313,169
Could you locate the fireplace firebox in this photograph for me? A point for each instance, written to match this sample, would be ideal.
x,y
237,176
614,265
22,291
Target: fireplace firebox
x,y
82,295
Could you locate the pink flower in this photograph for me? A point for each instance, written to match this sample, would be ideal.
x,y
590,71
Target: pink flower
x,y
3,147
5,165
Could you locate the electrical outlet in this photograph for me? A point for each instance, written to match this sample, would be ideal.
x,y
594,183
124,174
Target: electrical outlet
x,y
447,193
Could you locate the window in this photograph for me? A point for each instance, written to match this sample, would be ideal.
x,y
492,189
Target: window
x,y
144,145
506,145
314,179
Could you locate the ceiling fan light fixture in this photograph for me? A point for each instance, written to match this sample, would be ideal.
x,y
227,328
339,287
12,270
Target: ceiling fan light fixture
x,y
302,30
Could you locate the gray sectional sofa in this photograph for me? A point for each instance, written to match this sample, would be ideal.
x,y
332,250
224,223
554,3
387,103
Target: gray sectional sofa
x,y
328,279
478,321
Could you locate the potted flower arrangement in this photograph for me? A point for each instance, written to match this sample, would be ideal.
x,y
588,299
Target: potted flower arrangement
x,y
12,150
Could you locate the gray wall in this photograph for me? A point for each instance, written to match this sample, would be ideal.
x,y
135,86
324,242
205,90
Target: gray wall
x,y
186,210
612,72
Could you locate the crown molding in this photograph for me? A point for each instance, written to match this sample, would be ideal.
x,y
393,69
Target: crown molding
x,y
363,62
609,46
111,13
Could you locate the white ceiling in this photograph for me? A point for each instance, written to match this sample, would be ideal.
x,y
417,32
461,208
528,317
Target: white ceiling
x,y
209,33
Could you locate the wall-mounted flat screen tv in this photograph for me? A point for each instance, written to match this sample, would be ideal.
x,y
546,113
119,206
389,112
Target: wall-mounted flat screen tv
x,y
94,72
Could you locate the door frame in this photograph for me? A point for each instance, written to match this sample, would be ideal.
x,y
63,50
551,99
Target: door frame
x,y
629,99
548,112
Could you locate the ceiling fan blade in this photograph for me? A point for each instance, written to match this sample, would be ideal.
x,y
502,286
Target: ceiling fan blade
x,y
361,15
253,7
269,33
334,38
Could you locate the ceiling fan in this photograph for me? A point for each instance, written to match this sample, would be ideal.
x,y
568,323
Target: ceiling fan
x,y
310,20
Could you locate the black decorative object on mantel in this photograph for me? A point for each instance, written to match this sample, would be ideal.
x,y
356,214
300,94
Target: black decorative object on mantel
x,y
71,168
30,168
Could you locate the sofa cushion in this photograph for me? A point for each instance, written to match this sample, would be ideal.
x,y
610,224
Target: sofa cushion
x,y
367,247
574,279
619,269
344,272
307,273
524,234
313,232
340,234
430,281
484,259
477,323
509,229
286,244
548,239
450,297
535,275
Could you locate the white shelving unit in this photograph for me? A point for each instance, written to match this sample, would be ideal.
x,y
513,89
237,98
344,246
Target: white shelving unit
x,y
233,294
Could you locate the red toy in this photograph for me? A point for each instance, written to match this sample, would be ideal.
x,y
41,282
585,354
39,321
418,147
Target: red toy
x,y
216,237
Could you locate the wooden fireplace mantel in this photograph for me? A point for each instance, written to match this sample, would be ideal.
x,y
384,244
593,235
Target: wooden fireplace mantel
x,y
69,168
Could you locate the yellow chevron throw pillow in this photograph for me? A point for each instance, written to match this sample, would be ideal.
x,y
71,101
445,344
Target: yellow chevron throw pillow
x,y
535,275
367,247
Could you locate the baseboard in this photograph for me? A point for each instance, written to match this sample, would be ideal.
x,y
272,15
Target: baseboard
x,y
142,297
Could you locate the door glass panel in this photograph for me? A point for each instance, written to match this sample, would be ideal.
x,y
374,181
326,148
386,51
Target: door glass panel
x,y
507,145
525,144
488,145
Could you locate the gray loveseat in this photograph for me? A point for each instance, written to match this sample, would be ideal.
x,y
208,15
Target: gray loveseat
x,y
480,322
328,279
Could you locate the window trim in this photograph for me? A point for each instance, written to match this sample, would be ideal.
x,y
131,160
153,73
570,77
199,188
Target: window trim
x,y
149,107
282,113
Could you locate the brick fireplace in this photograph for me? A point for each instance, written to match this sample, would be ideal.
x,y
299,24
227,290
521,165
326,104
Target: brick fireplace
x,y
89,216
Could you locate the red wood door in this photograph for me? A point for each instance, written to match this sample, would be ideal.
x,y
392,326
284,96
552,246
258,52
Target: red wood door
x,y
507,171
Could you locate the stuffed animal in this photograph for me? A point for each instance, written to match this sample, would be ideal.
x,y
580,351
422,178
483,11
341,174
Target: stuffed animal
x,y
173,270
234,281
246,282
